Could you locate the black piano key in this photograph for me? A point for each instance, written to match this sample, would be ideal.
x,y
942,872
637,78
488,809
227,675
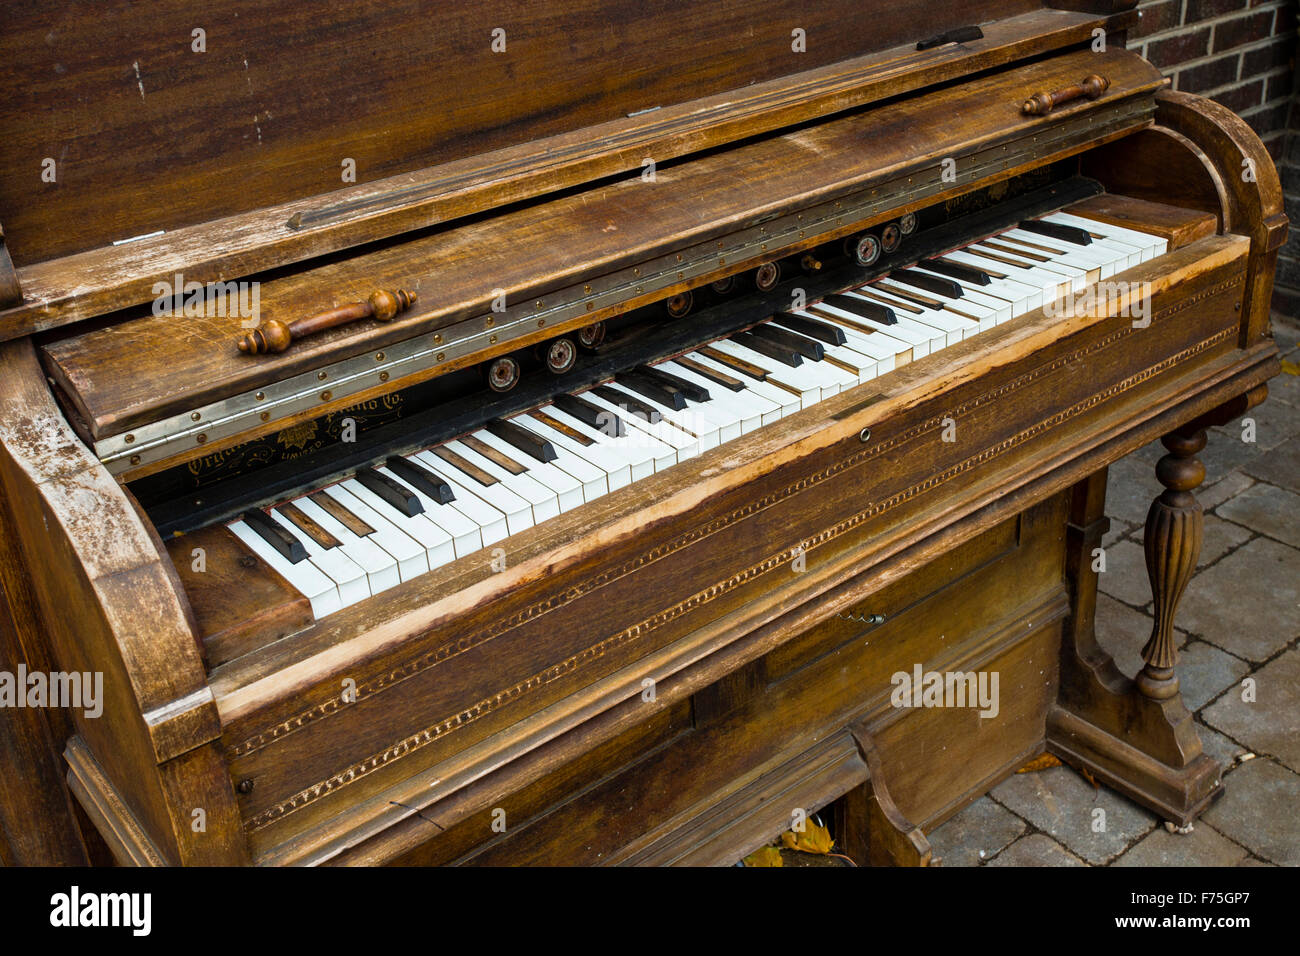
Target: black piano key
x,y
808,348
712,374
1057,230
530,444
276,535
813,328
649,388
629,403
863,307
958,270
421,478
935,284
696,393
401,498
781,353
593,416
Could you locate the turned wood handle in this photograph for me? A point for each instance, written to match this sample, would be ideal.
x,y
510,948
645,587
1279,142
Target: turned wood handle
x,y
1040,104
276,336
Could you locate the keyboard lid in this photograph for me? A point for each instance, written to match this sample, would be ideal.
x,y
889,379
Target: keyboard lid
x,y
145,143
162,386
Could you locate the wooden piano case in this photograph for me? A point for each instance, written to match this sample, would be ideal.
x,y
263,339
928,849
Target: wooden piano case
x,y
666,674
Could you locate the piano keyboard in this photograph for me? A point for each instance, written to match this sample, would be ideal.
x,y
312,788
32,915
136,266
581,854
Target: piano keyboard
x,y
387,524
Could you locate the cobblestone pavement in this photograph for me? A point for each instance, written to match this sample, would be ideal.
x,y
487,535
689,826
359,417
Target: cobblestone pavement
x,y
1240,618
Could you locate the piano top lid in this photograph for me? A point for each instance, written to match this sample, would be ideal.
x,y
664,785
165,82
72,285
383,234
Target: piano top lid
x,y
223,153
175,378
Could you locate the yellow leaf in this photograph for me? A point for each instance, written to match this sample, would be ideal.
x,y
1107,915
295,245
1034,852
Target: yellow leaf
x,y
1290,368
764,856
813,839
1040,763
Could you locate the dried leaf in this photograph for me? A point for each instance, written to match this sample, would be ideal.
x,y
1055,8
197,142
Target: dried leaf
x,y
813,839
764,856
1290,368
1041,762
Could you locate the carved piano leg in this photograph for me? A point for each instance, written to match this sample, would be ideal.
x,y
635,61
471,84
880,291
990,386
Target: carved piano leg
x,y
1173,544
1136,735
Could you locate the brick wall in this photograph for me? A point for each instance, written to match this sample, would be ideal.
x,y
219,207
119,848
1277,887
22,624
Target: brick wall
x,y
1241,53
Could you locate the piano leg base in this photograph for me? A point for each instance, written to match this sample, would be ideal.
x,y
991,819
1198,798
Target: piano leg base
x,y
1177,794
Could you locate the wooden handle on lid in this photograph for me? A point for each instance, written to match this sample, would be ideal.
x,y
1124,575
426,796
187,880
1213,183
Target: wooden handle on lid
x,y
276,336
1040,104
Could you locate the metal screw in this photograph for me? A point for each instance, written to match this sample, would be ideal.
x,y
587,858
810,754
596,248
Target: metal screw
x,y
864,436
245,786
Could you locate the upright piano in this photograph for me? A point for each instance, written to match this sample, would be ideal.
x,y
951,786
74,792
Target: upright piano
x,y
593,432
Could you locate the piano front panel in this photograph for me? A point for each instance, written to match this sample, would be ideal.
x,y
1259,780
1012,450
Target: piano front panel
x,y
454,668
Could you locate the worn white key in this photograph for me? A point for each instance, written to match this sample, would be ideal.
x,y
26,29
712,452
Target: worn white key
x,y
861,337
1024,296
679,446
1150,245
492,517
544,502
437,544
517,507
612,464
307,579
566,488
922,339
745,408
412,558
379,565
593,481
786,402
808,386
350,580
466,537
990,310
1093,258
953,328
635,449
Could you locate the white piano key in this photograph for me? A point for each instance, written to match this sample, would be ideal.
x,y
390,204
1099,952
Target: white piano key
x,y
379,565
492,518
747,408
1024,296
786,403
1150,245
466,536
307,579
1092,258
922,339
525,493
412,558
566,488
1052,284
861,337
593,480
351,581
809,388
437,544
613,465
674,445
1077,278
954,328
992,311
636,449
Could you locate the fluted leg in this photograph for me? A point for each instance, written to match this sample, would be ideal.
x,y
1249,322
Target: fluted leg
x,y
1173,544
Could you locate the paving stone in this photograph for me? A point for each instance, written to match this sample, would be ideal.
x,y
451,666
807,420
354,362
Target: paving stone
x,y
1233,483
1204,846
1285,388
1258,810
1036,849
1122,632
1225,452
1204,672
977,833
1125,576
1281,466
1269,510
1247,602
1223,750
1271,724
1131,486
1061,803
1118,530
1275,424
1252,862
1286,332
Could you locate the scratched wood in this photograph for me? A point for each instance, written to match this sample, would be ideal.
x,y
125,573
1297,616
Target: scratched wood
x,y
429,165
182,363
